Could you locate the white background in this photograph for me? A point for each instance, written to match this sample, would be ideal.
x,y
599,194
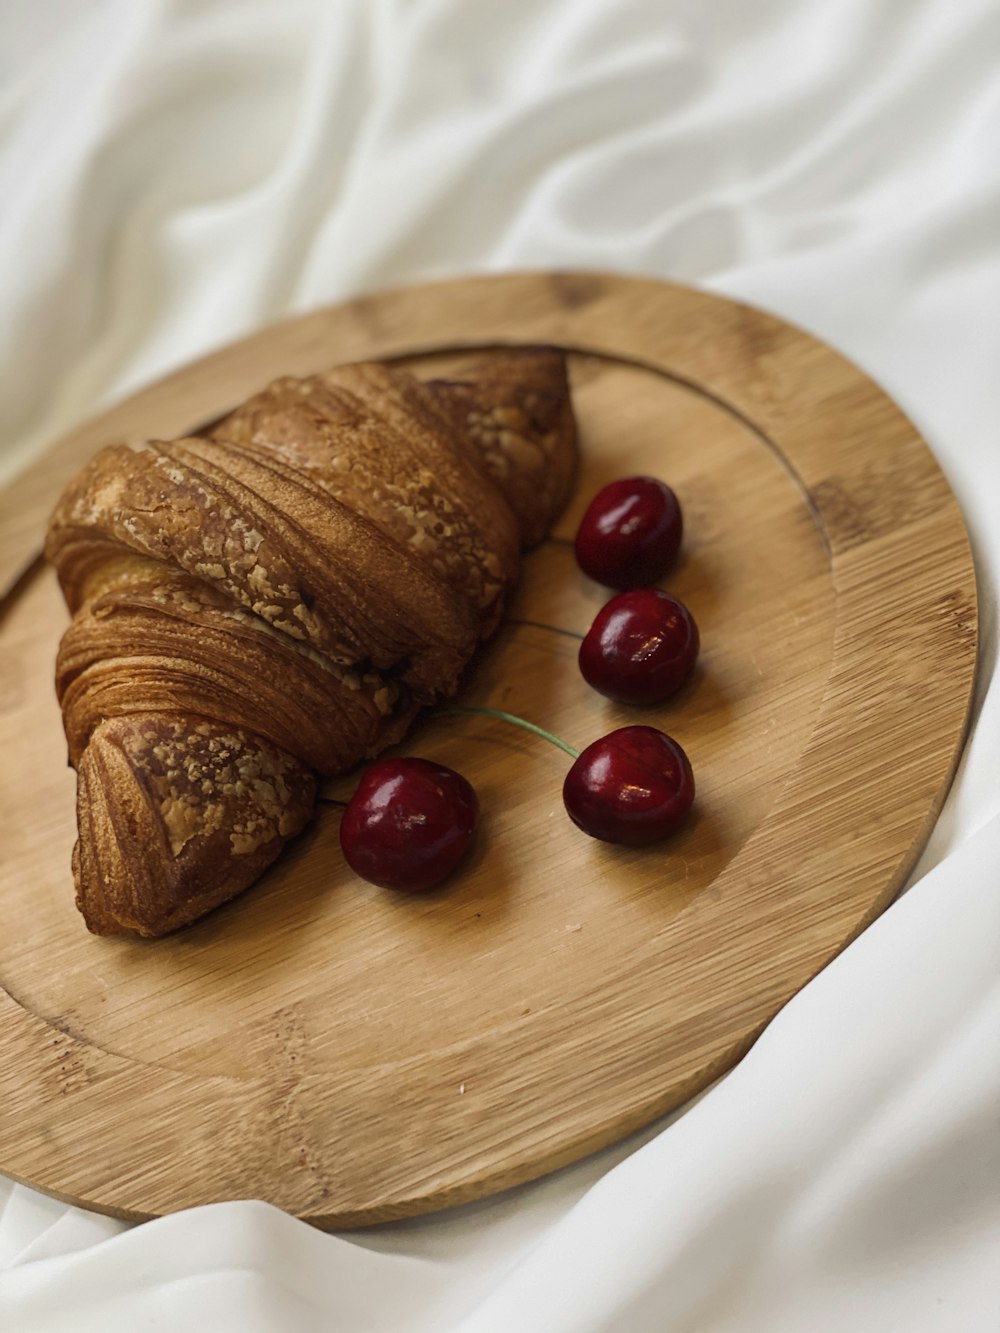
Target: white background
x,y
174,174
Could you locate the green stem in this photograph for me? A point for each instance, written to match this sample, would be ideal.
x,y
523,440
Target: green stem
x,y
540,624
517,721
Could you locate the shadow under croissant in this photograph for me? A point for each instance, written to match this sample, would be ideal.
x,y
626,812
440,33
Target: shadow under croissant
x,y
277,909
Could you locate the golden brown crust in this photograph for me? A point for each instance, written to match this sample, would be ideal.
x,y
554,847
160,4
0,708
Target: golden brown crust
x,y
268,538
289,590
177,815
180,646
375,440
515,408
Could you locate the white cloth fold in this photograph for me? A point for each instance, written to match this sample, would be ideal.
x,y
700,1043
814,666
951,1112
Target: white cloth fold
x,y
175,173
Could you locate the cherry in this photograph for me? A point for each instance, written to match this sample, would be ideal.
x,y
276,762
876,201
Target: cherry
x,y
630,534
632,786
408,824
641,647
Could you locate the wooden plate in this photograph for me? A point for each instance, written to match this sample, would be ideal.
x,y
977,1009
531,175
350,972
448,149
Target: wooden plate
x,y
351,1055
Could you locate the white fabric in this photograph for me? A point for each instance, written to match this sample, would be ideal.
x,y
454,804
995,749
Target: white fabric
x,y
174,173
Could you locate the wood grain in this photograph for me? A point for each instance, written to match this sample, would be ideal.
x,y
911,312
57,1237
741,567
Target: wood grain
x,y
353,1056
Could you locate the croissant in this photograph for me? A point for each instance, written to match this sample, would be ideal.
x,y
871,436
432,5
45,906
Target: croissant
x,y
275,600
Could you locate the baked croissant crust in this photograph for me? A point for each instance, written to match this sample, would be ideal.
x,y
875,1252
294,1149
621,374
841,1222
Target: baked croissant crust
x,y
276,600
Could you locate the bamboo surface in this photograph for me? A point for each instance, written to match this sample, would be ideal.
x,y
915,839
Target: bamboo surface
x,y
352,1055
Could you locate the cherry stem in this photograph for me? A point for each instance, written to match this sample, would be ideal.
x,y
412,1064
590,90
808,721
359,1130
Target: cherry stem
x,y
540,624
517,722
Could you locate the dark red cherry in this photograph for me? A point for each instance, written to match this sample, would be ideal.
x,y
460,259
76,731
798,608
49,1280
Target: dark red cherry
x,y
630,534
408,824
633,786
641,647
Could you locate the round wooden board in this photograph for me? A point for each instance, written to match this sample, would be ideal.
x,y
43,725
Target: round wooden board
x,y
354,1056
